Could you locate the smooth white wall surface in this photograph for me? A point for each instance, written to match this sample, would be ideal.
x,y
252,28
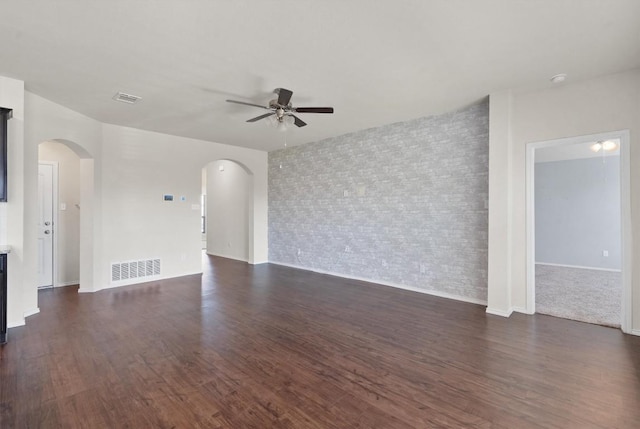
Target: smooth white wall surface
x,y
499,234
599,105
3,223
20,301
50,121
577,212
228,210
67,253
139,167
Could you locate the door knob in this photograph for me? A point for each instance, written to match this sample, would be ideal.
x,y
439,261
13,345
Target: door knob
x,y
46,231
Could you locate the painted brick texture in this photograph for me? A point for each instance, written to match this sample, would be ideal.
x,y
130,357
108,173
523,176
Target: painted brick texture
x,y
402,204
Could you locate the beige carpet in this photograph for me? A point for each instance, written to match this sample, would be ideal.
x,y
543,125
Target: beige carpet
x,y
591,296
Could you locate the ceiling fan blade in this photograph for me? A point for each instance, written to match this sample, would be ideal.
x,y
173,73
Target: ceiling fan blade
x,y
299,122
257,118
247,104
314,109
284,96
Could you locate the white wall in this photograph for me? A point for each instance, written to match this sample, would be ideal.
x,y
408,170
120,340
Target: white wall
x,y
228,210
138,168
599,105
20,303
3,223
577,212
499,237
67,252
124,173
50,121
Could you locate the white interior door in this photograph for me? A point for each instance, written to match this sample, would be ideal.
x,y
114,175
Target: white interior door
x,y
45,225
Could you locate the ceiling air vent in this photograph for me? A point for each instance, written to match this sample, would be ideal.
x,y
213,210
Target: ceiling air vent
x,y
126,98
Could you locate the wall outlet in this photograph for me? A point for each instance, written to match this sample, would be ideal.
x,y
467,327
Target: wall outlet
x,y
423,269
605,253
299,252
347,249
345,193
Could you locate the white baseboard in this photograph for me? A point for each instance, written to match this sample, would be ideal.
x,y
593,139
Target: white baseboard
x,y
226,256
31,312
140,280
65,284
16,323
384,283
635,332
579,266
129,282
498,312
521,310
219,255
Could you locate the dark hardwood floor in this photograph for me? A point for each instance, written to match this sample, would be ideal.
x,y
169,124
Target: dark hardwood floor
x,y
267,346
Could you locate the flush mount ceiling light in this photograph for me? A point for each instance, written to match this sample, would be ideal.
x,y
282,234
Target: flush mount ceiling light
x,y
558,78
126,98
604,146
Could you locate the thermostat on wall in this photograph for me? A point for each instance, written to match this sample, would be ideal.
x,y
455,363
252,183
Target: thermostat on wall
x,y
167,197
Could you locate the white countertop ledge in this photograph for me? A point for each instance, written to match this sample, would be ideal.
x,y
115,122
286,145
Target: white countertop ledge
x,y
5,248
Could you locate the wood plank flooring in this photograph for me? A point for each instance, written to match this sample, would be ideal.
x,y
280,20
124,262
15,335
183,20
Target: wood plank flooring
x,y
272,347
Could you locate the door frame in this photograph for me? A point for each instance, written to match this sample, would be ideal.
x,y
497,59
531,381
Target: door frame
x,y
625,216
54,203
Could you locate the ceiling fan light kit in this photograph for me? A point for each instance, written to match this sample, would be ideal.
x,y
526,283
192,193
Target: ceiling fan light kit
x,y
282,111
604,146
282,123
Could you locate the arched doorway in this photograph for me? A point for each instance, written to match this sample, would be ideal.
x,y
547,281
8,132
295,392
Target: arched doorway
x,y
73,213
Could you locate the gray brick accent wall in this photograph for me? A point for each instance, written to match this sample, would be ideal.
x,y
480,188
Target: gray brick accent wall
x,y
402,204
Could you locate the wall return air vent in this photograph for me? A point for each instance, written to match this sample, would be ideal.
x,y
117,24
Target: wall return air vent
x,y
126,98
125,271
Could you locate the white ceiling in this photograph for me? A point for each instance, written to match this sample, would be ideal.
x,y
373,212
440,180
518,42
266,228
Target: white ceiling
x,y
376,62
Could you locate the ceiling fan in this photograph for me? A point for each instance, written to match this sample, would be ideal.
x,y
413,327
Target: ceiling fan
x,y
283,110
